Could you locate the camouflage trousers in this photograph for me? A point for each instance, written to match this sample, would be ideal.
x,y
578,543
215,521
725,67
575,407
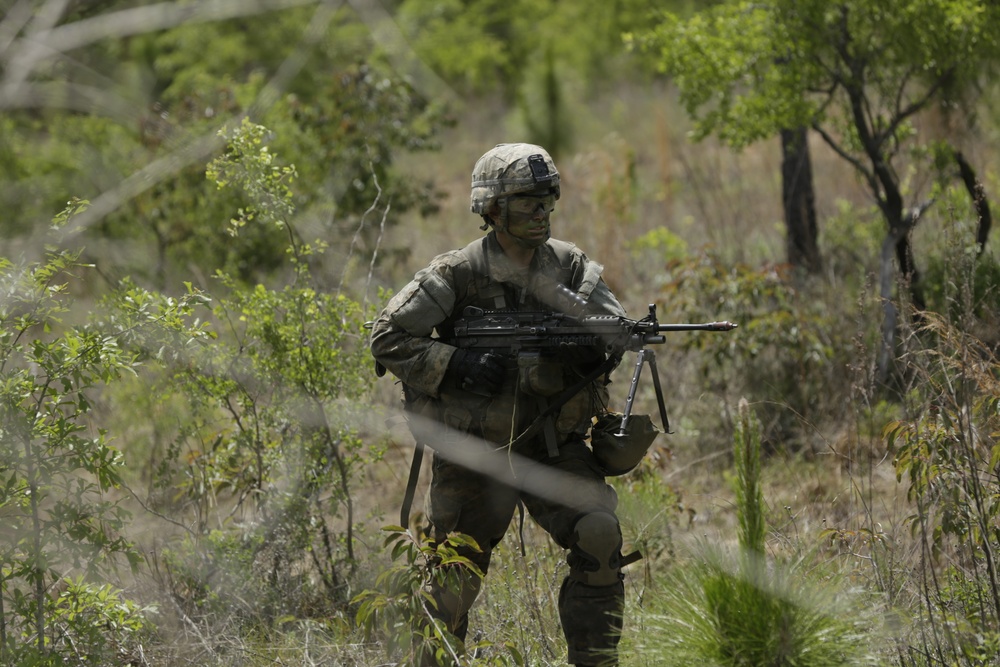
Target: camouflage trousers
x,y
557,492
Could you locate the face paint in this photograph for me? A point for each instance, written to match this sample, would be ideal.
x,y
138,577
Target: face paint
x,y
528,219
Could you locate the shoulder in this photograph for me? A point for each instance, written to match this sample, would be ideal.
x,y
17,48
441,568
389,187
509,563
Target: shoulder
x,y
449,263
451,258
560,247
565,253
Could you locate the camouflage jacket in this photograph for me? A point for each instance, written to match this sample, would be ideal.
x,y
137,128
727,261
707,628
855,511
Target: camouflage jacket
x,y
410,336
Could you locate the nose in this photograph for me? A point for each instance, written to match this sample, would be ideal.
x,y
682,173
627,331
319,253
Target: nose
x,y
538,213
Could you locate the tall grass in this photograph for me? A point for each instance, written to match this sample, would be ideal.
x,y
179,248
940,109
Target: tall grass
x,y
741,609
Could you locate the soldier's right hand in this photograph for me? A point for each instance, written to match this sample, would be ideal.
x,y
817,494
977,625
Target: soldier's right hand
x,y
477,372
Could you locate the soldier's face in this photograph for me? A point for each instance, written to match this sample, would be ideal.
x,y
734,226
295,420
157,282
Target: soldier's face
x,y
528,218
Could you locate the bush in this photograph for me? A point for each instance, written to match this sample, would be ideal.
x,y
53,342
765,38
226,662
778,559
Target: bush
x,y
269,418
57,471
790,354
401,606
948,455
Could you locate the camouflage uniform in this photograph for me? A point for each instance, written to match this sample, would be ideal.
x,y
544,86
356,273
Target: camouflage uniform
x,y
410,339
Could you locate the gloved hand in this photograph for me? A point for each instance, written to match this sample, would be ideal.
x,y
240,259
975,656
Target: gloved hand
x,y
478,372
585,356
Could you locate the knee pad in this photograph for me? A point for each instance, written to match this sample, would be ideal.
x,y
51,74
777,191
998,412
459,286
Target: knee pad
x,y
597,547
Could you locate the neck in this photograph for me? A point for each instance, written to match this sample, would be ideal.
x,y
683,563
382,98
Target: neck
x,y
518,254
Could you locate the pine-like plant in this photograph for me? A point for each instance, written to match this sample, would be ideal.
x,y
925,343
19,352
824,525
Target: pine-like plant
x,y
744,610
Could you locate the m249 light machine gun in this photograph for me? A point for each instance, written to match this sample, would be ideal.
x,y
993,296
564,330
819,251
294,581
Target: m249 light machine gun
x,y
556,335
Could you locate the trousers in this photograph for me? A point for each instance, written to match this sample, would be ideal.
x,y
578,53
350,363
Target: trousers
x,y
567,496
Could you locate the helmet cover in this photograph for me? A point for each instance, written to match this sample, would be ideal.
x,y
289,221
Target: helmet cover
x,y
508,169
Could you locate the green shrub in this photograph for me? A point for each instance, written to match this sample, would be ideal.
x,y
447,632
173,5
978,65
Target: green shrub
x,y
790,354
88,626
401,606
58,471
270,413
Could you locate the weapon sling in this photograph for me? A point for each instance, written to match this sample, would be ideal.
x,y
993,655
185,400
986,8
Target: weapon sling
x,y
411,484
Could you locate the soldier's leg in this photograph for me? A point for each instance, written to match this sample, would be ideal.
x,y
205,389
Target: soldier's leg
x,y
579,513
463,501
592,597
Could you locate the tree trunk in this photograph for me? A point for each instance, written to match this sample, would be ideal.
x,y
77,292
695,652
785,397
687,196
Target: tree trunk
x,y
975,188
886,353
908,267
799,201
898,239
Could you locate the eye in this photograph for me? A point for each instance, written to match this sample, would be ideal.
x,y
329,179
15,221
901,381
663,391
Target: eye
x,y
528,205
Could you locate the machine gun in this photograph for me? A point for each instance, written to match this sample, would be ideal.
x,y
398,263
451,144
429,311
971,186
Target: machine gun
x,y
554,334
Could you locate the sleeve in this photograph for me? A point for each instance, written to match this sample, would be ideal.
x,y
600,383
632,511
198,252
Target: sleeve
x,y
601,300
401,337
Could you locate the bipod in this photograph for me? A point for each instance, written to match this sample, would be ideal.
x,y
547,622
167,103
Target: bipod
x,y
644,356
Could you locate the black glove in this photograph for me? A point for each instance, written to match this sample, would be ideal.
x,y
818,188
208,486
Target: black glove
x,y
587,356
478,372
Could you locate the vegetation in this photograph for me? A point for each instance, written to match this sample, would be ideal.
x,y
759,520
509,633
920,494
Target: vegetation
x,y
203,202
857,75
60,523
737,609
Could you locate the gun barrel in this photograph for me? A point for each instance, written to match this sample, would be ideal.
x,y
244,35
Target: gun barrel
x,y
707,326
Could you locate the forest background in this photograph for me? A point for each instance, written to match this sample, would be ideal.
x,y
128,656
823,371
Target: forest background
x,y
203,202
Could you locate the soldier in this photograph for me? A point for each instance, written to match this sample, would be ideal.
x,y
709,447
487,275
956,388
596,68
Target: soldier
x,y
485,396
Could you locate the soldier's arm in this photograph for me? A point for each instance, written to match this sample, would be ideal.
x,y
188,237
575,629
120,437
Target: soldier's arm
x,y
402,336
600,299
603,301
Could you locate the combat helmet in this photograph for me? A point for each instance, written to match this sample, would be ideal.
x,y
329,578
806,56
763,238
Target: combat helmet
x,y
508,169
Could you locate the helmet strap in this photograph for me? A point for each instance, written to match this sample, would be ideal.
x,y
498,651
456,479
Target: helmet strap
x,y
504,214
499,222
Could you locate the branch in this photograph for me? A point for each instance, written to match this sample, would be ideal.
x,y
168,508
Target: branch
x,y
39,24
72,97
13,23
364,217
378,244
157,514
918,105
853,161
900,91
50,41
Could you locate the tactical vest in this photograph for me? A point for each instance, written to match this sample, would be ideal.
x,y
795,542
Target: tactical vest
x,y
476,285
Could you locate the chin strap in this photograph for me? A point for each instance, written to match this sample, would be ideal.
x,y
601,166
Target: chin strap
x,y
504,215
